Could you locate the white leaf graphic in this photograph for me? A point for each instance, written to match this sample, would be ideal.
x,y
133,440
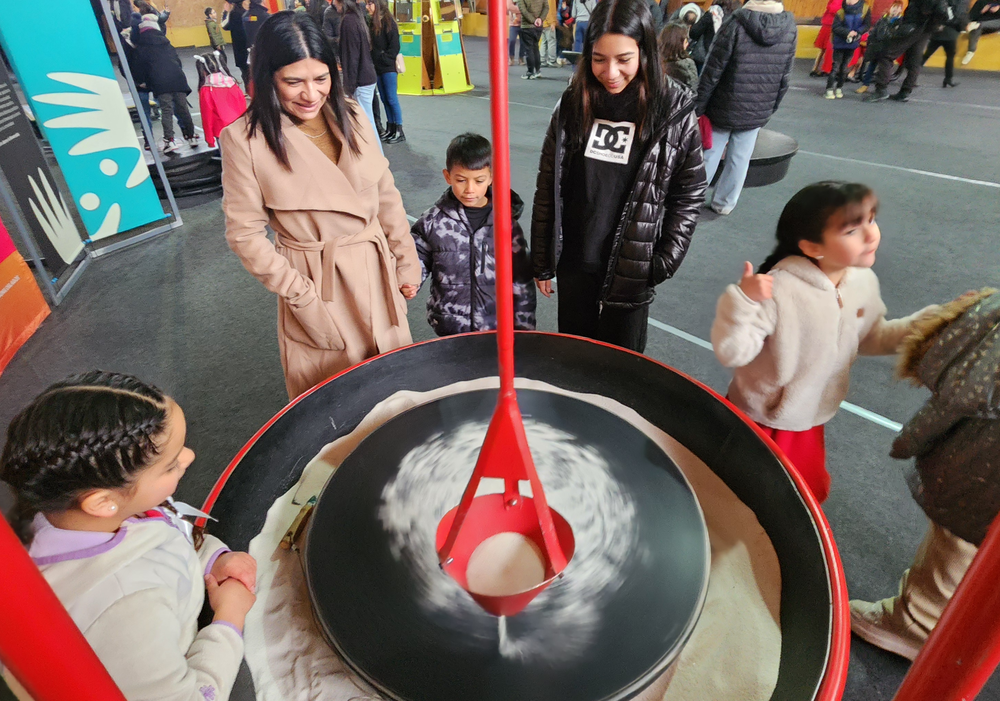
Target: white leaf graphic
x,y
54,218
102,108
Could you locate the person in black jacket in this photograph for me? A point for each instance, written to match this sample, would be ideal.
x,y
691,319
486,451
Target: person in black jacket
x,y
252,19
332,17
159,67
985,16
947,39
744,80
702,32
232,21
385,49
620,181
356,59
921,19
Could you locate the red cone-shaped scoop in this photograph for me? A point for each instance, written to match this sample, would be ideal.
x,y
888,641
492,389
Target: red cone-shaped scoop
x,y
536,541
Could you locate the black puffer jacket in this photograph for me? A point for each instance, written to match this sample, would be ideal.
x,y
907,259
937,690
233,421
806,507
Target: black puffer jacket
x,y
158,65
656,225
926,15
746,72
958,11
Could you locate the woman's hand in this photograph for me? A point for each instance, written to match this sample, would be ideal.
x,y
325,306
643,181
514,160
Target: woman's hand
x,y
756,287
239,566
409,291
545,287
230,600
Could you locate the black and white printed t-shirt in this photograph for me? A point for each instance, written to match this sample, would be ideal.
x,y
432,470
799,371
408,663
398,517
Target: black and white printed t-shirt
x,y
598,181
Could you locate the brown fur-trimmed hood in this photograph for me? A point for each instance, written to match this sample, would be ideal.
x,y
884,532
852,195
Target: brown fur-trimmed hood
x,y
926,334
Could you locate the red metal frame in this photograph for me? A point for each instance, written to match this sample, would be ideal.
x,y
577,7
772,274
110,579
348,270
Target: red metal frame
x,y
39,643
964,649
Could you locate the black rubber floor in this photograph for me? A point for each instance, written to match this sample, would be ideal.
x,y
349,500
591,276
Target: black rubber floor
x,y
180,311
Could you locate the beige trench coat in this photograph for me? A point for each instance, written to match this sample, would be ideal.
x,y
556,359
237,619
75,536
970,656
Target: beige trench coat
x,y
342,246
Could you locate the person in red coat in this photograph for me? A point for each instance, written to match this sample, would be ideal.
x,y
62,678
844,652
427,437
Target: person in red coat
x,y
824,40
221,99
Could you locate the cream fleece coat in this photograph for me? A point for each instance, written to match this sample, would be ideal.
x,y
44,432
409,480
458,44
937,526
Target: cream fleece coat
x,y
792,354
137,598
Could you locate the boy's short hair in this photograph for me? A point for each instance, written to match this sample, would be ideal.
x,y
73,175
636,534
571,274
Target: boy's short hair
x,y
208,11
470,151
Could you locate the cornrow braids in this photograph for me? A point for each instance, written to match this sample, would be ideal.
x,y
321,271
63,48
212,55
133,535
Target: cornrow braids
x,y
97,430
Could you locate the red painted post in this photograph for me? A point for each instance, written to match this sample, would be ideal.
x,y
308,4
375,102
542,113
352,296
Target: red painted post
x,y
964,648
39,643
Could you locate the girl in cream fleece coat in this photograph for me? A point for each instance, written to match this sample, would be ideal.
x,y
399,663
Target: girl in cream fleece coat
x,y
93,461
793,330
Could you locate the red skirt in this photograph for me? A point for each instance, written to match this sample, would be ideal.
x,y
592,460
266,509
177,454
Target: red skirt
x,y
806,450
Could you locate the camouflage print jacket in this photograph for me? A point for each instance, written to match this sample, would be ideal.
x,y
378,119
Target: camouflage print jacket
x,y
461,265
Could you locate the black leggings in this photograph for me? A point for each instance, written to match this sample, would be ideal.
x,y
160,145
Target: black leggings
x,y
580,313
841,57
949,46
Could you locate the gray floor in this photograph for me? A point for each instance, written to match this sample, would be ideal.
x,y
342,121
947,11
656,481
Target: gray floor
x,y
181,312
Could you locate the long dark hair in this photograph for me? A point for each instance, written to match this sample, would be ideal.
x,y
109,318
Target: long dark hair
x,y
97,430
672,40
382,19
355,7
807,214
632,19
284,38
212,62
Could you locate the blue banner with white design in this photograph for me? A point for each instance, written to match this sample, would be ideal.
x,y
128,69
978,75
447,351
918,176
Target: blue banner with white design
x,y
79,104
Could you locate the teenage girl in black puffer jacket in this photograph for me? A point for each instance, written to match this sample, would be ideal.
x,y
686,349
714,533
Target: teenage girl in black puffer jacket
x,y
620,182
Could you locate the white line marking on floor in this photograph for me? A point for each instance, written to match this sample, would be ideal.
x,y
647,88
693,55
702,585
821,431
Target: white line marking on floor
x,y
915,171
519,104
918,99
846,406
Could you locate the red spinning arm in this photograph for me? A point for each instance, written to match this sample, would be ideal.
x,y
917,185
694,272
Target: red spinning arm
x,y
39,643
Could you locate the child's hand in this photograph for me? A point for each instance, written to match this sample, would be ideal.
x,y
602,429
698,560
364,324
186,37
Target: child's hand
x,y
409,291
851,36
239,566
545,287
756,287
230,600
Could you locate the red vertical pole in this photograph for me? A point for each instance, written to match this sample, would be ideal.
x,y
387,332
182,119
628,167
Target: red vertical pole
x,y
964,648
500,119
39,643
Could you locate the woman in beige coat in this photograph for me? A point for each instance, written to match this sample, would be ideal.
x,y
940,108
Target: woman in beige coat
x,y
305,161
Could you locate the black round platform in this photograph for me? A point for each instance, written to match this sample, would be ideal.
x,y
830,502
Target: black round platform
x,y
814,624
772,155
581,639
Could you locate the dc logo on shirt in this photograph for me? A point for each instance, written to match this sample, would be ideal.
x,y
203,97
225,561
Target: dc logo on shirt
x,y
610,141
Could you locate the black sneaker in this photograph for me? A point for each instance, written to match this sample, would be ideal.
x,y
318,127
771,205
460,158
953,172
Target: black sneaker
x,y
877,95
901,96
535,76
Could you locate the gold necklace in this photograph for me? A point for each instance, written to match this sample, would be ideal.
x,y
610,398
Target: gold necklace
x,y
318,136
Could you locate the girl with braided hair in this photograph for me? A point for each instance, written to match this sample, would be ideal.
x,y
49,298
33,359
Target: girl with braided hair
x,y
793,329
93,461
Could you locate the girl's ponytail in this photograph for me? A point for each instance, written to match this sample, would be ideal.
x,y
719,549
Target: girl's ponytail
x,y
806,215
92,431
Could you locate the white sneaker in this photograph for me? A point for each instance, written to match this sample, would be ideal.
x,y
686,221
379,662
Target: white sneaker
x,y
968,57
829,95
170,146
193,142
838,93
870,622
724,211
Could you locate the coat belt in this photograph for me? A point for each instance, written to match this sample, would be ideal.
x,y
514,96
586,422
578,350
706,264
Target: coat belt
x,y
321,260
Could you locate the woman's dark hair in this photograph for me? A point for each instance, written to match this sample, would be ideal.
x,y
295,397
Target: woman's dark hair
x,y
728,6
382,19
146,8
471,151
807,214
672,40
97,430
355,7
632,19
284,38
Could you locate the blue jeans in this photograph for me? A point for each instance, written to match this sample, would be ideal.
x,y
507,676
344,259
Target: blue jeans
x,y
734,173
387,89
363,95
581,33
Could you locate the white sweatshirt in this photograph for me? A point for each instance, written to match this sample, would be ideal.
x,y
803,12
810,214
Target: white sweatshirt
x,y
136,595
793,352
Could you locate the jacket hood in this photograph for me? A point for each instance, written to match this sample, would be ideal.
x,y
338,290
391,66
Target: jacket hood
x,y
450,205
765,21
956,354
690,7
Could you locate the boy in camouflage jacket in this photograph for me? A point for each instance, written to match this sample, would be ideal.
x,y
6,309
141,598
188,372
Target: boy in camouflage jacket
x,y
454,240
